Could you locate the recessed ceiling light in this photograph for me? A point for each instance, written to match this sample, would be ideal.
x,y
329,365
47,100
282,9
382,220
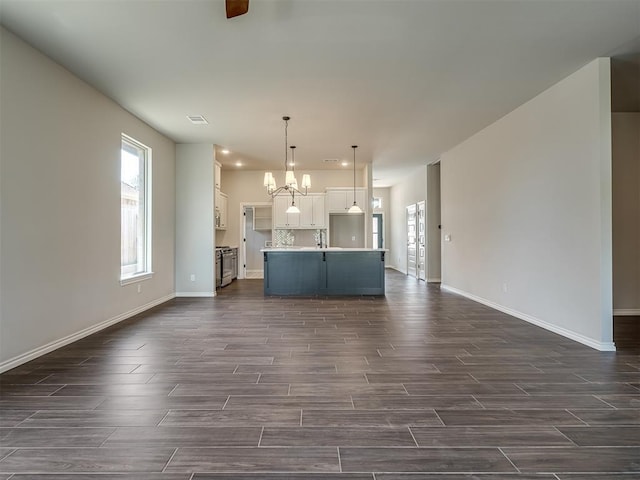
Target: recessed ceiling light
x,y
345,164
197,120
292,164
224,151
238,164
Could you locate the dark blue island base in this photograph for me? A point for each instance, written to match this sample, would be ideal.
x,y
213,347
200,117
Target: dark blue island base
x,y
323,272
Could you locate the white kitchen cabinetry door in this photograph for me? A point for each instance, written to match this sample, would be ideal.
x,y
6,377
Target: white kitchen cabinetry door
x,y
281,219
311,211
318,211
223,210
360,199
339,201
336,200
217,175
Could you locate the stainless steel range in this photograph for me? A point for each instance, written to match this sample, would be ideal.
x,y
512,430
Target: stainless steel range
x,y
226,265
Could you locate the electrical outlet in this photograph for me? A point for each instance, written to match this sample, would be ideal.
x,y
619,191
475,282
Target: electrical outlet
x,y
505,287
353,239
193,277
139,288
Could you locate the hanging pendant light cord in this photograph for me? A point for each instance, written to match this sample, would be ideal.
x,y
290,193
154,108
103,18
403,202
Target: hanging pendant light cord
x,y
354,173
286,127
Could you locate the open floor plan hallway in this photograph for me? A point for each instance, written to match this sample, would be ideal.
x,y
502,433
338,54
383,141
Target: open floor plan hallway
x,y
417,385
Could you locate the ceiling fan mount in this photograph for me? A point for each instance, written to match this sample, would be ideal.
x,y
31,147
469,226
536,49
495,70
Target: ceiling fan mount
x,y
236,8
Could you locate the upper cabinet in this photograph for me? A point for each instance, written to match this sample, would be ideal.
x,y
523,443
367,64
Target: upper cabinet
x,y
340,200
312,211
311,214
224,211
282,219
221,209
217,175
219,201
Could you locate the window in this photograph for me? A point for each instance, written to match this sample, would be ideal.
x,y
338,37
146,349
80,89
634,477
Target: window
x,y
135,211
377,230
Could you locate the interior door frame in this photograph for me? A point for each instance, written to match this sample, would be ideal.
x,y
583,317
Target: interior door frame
x,y
421,240
242,248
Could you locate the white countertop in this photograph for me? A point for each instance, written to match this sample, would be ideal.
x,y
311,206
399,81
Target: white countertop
x,y
326,249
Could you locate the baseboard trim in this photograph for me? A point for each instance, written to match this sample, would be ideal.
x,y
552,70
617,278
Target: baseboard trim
x,y
254,275
50,347
195,294
570,334
397,269
434,280
626,312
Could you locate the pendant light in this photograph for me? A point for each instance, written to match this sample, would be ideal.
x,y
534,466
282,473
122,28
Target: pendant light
x,y
290,183
354,208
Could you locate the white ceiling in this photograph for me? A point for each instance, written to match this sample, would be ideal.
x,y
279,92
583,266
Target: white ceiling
x,y
404,79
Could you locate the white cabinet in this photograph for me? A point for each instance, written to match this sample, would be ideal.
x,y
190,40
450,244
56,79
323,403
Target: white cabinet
x,y
339,201
219,201
282,219
312,211
216,175
221,209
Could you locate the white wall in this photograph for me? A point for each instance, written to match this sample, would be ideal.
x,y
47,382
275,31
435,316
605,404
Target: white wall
x,y
195,241
60,198
527,202
626,213
411,190
434,247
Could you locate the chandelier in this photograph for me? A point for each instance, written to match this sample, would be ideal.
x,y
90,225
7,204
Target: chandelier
x,y
290,182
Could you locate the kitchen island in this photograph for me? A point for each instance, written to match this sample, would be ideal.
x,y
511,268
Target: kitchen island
x,y
323,271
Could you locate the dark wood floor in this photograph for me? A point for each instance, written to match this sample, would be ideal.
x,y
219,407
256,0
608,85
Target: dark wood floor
x,y
418,385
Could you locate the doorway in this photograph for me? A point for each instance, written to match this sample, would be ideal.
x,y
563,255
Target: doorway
x,y
256,234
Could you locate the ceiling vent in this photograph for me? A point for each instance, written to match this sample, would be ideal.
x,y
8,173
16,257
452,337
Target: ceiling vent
x,y
197,120
330,160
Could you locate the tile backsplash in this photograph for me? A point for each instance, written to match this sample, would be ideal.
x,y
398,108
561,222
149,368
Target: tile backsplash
x,y
283,237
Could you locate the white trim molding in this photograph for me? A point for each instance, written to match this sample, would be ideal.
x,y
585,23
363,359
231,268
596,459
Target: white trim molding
x,y
50,347
254,274
397,269
195,294
626,312
589,342
434,280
